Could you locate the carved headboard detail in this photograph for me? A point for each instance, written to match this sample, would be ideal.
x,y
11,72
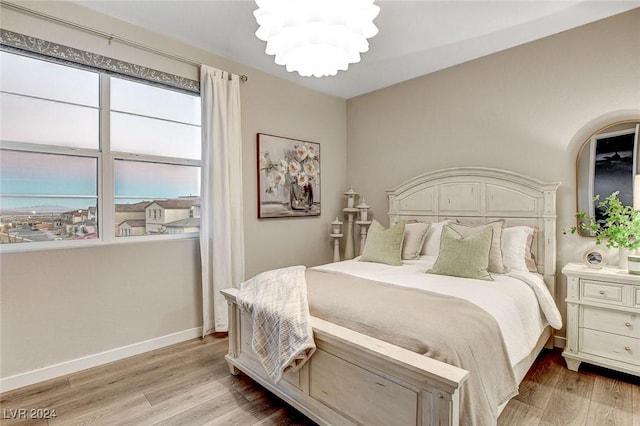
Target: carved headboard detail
x,y
483,194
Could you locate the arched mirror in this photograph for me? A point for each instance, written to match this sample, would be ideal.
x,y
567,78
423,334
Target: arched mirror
x,y
607,162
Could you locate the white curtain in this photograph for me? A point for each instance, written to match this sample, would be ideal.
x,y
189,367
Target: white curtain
x,y
221,227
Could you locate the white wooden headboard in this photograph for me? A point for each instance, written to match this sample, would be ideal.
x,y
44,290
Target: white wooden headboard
x,y
483,194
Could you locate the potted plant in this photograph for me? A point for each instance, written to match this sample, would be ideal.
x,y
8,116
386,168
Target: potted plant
x,y
619,228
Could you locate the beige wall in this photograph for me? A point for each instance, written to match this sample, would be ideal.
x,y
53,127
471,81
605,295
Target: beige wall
x,y
526,109
60,305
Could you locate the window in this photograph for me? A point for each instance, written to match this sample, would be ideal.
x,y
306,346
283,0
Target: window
x,y
155,142
84,155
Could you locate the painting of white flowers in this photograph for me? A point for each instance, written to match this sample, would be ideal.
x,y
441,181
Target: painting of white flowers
x,y
288,177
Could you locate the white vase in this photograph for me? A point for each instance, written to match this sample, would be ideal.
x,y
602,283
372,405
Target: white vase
x,y
634,263
623,261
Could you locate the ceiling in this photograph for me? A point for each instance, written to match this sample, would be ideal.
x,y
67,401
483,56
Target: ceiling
x,y
415,37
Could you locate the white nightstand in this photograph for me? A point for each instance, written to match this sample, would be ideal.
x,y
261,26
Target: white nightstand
x,y
603,318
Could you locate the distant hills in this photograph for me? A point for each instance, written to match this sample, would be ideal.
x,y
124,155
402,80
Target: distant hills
x,y
39,209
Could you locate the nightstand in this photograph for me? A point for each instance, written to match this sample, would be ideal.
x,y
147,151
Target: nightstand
x,y
603,318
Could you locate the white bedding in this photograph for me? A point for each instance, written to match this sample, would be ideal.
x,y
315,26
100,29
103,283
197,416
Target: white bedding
x,y
520,303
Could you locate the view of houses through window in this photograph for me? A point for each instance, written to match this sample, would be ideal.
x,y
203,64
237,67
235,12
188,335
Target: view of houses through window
x,y
86,155
174,216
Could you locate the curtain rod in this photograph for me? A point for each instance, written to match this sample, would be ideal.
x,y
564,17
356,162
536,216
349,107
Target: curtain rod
x,y
109,37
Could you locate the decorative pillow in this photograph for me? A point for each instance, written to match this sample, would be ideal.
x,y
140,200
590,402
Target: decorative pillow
x,y
529,258
495,254
384,245
465,257
432,244
516,243
415,234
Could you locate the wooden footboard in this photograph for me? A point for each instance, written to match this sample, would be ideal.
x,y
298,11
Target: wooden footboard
x,y
353,378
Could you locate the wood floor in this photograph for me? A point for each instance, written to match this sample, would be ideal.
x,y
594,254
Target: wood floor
x,y
190,384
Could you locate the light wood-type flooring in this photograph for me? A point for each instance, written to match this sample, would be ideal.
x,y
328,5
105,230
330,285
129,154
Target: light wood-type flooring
x,y
189,384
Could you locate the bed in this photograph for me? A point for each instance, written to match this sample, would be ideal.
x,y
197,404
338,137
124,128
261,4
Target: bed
x,y
359,377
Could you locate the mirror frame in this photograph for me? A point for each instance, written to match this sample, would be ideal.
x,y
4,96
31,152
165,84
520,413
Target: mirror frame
x,y
583,197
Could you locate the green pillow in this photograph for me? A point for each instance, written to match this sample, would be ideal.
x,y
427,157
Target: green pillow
x,y
384,245
465,257
496,264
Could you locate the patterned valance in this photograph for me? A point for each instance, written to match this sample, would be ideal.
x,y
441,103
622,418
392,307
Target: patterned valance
x,y
42,49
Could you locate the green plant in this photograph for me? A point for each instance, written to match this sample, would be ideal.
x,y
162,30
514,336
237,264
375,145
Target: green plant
x,y
620,227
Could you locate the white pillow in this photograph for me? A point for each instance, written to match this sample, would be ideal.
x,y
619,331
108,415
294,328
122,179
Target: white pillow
x,y
415,234
516,247
432,245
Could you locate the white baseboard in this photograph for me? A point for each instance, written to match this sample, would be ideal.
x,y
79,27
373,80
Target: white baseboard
x,y
75,365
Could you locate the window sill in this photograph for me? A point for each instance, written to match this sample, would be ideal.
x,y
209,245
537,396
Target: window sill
x,y
79,244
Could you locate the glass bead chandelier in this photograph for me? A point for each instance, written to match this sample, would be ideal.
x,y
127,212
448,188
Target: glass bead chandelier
x,y
316,37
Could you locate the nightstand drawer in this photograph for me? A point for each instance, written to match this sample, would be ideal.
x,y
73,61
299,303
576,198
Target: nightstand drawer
x,y
602,292
618,322
636,299
608,345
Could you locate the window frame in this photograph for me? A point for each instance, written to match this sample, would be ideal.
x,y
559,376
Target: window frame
x,y
105,198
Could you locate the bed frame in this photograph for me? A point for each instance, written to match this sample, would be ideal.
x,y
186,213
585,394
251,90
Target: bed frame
x,y
356,379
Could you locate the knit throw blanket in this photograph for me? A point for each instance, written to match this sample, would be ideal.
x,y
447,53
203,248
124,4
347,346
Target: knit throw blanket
x,y
276,300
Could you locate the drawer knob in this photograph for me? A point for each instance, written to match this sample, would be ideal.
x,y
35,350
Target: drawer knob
x,y
601,291
627,348
627,324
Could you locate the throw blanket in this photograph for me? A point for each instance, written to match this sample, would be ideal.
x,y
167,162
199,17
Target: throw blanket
x,y
445,328
282,333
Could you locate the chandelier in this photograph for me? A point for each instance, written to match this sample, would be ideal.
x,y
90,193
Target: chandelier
x,y
316,37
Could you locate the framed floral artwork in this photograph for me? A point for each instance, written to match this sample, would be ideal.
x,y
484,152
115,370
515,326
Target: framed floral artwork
x,y
288,177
